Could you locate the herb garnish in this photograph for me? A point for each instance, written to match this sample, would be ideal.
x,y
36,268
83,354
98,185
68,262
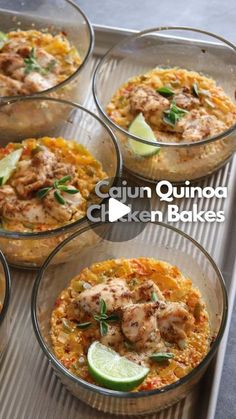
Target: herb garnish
x,y
165,91
195,89
174,114
84,325
31,64
103,318
59,185
161,356
154,297
3,39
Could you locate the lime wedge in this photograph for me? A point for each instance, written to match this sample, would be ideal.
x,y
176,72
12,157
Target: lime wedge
x,y
113,371
8,165
141,129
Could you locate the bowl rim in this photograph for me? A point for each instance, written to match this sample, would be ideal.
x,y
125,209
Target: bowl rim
x,y
132,37
7,276
77,223
77,71
119,394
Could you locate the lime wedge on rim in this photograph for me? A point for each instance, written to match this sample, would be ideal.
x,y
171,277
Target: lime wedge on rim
x,y
140,128
8,165
113,371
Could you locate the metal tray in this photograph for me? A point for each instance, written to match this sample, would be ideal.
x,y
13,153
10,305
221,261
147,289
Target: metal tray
x,y
28,387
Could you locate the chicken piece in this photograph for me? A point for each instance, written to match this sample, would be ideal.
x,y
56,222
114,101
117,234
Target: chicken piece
x,y
146,100
144,292
195,127
9,63
174,322
114,292
9,87
113,337
46,60
72,208
36,82
139,325
14,209
33,174
38,172
185,100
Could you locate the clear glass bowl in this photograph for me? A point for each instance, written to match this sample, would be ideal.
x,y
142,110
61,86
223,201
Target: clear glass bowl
x,y
57,16
5,291
169,47
73,122
161,242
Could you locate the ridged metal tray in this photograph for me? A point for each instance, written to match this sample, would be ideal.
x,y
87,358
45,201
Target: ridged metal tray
x,y
29,389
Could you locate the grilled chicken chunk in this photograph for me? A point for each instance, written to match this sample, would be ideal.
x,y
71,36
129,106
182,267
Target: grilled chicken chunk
x,y
113,337
38,172
146,100
185,100
73,204
146,291
31,211
139,325
196,126
13,68
114,292
174,322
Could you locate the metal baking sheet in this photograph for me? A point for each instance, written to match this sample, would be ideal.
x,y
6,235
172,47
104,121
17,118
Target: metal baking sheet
x,y
29,389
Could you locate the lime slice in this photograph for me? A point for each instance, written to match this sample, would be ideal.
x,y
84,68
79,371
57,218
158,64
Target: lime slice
x,y
141,129
8,165
113,371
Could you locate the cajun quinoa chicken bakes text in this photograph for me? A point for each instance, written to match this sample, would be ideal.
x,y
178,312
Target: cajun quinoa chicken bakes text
x,y
179,106
144,309
45,183
33,61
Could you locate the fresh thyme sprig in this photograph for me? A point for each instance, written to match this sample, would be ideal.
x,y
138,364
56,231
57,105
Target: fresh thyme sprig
x,y
59,185
103,318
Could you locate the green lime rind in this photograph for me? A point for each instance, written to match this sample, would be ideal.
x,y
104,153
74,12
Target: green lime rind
x,y
113,371
141,129
8,165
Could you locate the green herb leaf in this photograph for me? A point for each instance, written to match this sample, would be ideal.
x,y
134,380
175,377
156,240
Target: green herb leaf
x,y
113,318
59,198
103,307
161,356
1,180
195,89
84,325
174,114
165,91
64,180
67,189
43,192
103,328
31,63
154,296
97,317
3,39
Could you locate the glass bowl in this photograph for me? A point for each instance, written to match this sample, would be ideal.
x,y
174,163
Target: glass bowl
x,y
159,241
73,123
5,290
168,47
55,17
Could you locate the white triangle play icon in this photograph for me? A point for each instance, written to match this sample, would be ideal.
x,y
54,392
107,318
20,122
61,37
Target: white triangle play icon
x,y
117,210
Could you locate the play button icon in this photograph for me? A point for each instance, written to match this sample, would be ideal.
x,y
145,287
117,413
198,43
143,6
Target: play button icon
x,y
117,210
